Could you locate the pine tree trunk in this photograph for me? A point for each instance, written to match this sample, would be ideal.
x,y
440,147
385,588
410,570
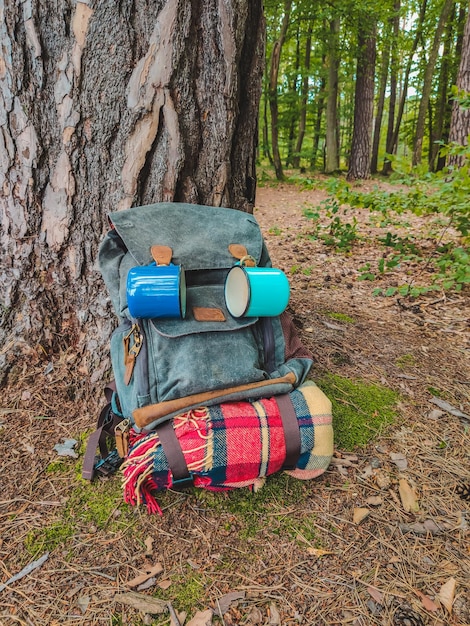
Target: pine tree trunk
x,y
331,141
380,109
427,82
440,127
273,76
392,101
392,146
109,105
359,166
460,121
303,103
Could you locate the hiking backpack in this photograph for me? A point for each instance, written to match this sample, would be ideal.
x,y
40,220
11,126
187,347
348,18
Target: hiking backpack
x,y
167,367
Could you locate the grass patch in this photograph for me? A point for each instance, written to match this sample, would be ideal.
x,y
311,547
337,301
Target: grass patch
x,y
405,360
88,504
340,317
42,540
360,409
249,508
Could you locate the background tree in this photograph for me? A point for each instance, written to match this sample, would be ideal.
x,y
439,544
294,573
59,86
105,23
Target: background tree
x,y
332,134
105,105
273,78
427,80
460,122
359,166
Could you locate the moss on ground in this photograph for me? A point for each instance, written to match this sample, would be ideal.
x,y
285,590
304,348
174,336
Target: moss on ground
x,y
340,317
91,504
361,410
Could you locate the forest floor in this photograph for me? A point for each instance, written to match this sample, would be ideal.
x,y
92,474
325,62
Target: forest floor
x,y
381,538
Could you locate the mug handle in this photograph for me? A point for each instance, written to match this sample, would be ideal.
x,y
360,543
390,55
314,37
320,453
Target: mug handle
x,y
247,261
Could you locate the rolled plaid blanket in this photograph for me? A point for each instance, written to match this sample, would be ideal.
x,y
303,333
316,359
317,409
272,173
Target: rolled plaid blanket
x,y
232,445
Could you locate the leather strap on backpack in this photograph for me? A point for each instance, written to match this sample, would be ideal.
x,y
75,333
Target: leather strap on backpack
x,y
107,422
290,424
174,455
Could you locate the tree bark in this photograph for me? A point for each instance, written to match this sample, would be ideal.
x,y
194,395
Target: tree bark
x,y
392,101
427,82
439,132
320,105
107,105
460,121
359,166
380,108
273,76
303,100
406,78
331,140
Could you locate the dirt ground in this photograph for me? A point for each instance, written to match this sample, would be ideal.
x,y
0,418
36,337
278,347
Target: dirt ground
x,y
394,566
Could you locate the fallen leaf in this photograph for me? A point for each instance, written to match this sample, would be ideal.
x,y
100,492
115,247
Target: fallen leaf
x,y
435,414
399,460
142,602
145,575
164,584
428,604
202,618
67,448
148,543
377,595
150,582
359,514
375,500
408,496
423,528
318,552
224,602
446,593
274,617
446,406
180,616
83,603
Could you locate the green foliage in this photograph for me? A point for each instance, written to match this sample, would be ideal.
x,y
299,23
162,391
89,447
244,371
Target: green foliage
x,y
360,409
336,233
445,194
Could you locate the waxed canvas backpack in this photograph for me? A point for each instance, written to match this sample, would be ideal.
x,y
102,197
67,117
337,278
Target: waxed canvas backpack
x,y
164,367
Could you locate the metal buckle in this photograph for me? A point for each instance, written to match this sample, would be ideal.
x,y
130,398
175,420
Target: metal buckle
x,y
109,465
183,483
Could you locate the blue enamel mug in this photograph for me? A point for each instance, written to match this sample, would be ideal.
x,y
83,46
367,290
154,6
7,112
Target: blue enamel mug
x,y
256,291
156,291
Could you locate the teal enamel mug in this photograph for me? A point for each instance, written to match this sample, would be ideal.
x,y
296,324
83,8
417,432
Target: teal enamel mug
x,y
156,291
256,291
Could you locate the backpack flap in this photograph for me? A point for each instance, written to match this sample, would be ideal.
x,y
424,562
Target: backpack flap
x,y
200,236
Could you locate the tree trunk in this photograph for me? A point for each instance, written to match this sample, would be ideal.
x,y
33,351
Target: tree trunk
x,y
359,166
273,76
439,129
108,105
427,82
303,102
331,141
320,105
406,78
460,122
392,101
380,108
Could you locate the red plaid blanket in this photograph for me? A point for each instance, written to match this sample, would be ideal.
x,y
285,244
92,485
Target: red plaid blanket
x,y
232,445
